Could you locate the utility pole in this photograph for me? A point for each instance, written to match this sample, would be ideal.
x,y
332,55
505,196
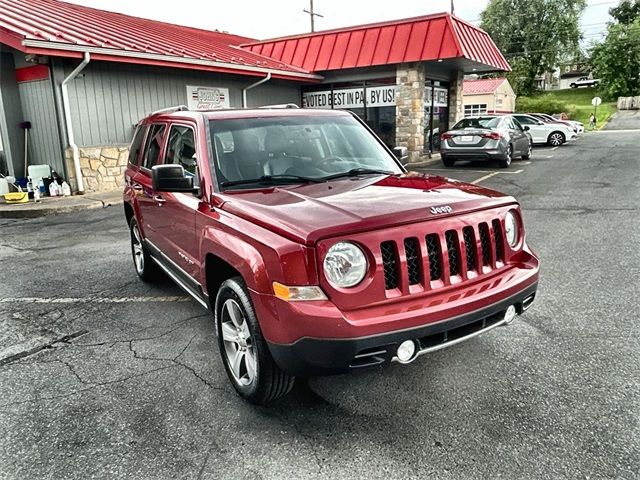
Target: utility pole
x,y
312,14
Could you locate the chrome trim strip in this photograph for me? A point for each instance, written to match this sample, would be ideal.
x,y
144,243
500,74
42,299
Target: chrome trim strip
x,y
180,283
454,342
174,277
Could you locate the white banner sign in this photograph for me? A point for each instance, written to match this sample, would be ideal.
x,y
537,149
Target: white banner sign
x,y
441,97
207,98
351,98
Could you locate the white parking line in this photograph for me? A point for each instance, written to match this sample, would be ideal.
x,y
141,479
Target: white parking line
x,y
485,177
95,299
554,148
471,171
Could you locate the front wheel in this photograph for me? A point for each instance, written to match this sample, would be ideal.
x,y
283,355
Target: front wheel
x,y
244,351
527,155
556,139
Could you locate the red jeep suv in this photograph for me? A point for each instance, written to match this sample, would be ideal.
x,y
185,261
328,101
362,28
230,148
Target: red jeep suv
x,y
317,252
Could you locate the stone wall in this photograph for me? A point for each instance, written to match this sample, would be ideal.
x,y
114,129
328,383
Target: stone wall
x,y
102,167
410,96
456,102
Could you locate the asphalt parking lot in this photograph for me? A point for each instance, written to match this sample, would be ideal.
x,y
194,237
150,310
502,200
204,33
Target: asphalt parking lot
x,y
102,376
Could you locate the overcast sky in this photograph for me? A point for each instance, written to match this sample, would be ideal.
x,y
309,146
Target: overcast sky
x,y
272,18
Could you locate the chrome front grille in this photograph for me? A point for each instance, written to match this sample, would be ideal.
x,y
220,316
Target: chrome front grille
x,y
438,259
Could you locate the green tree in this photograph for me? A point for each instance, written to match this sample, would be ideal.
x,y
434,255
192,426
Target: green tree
x,y
616,60
626,12
533,35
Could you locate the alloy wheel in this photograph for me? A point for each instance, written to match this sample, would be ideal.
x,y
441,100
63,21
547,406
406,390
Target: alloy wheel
x,y
138,253
556,139
238,343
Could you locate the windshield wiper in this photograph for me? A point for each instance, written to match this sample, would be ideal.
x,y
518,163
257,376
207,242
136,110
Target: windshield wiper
x,y
354,172
270,180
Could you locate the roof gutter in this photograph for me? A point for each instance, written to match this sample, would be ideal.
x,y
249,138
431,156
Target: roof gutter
x,y
69,124
253,85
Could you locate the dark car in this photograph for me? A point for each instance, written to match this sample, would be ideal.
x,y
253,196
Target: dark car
x,y
315,250
494,138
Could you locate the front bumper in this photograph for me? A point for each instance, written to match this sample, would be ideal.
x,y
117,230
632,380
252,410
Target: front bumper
x,y
317,356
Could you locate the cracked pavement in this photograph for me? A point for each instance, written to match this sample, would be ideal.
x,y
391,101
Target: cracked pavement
x,y
106,388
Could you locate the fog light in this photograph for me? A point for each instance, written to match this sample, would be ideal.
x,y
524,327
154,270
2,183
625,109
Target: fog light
x,y
510,314
406,351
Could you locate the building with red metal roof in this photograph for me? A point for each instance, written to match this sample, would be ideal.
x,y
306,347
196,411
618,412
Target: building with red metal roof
x,y
83,78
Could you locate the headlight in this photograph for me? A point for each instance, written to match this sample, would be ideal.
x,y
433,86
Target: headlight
x,y
345,265
511,228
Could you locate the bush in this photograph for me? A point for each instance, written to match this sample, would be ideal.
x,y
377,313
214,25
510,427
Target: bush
x,y
542,104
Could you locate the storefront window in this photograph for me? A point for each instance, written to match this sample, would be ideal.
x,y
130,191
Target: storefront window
x,y
372,101
436,99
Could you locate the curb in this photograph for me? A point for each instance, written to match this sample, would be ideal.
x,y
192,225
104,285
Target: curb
x,y
29,211
430,161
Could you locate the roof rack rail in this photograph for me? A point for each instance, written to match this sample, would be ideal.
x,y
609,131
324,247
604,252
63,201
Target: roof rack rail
x,y
177,108
282,105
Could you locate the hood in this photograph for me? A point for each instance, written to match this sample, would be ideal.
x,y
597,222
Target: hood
x,y
308,213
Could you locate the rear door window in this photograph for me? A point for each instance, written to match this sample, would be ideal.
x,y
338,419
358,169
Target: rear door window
x,y
153,146
136,145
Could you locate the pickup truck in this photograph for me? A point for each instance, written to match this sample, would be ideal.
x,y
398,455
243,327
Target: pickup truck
x,y
585,82
315,250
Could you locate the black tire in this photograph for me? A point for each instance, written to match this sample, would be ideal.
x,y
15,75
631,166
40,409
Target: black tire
x,y
573,85
527,155
507,161
555,139
144,265
258,383
447,162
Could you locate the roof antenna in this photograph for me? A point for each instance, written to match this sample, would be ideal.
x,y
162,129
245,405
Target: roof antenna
x,y
453,10
313,14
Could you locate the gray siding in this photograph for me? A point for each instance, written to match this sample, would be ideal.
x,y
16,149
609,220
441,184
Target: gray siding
x,y
108,99
38,107
11,116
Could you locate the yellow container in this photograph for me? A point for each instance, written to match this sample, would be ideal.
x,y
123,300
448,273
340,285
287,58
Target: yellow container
x,y
16,197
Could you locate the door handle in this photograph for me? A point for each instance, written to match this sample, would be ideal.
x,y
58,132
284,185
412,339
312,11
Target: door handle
x,y
159,200
137,187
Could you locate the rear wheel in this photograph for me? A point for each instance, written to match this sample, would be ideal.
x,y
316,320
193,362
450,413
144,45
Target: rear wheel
x,y
245,353
448,162
146,268
556,139
509,157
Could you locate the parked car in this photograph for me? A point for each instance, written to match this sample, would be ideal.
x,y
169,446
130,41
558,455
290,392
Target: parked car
x,y
565,131
543,133
578,126
313,247
494,138
585,82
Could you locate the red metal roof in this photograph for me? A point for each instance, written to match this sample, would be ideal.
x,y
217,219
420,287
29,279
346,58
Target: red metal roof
x,y
481,86
432,37
51,27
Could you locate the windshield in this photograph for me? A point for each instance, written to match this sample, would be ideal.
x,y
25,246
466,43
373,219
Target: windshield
x,y
295,149
482,122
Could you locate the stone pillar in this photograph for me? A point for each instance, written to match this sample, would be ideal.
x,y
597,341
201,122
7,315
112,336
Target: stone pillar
x,y
456,106
410,96
102,167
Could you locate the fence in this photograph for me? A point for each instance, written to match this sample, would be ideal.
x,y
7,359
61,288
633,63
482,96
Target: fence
x,y
628,103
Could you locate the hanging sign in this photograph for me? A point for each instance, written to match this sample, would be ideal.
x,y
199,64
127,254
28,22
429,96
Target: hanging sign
x,y
207,98
351,98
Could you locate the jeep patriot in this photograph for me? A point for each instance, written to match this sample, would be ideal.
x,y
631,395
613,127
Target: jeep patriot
x,y
314,248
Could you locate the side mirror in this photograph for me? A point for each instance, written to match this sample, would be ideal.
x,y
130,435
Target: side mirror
x,y
402,154
526,128
171,178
